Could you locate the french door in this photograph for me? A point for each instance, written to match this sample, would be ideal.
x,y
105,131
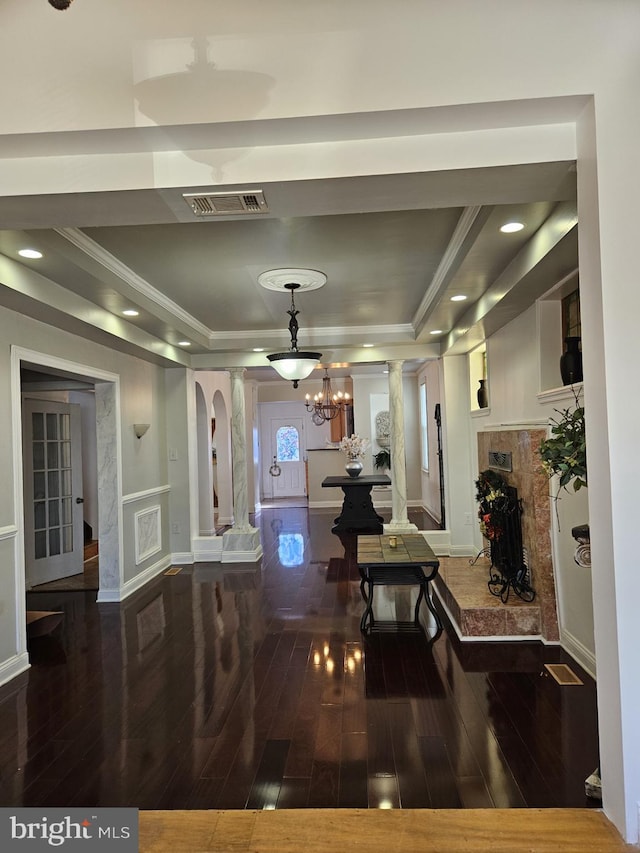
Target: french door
x,y
52,464
286,468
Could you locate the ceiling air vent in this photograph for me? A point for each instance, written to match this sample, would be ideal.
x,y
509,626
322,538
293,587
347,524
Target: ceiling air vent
x,y
226,204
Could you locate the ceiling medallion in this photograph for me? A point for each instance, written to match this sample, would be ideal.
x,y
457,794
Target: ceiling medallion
x,y
279,278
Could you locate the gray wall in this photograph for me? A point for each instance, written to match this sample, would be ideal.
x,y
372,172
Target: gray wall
x,y
144,465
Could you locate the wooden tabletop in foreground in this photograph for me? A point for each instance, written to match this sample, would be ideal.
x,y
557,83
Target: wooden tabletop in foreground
x,y
380,831
411,549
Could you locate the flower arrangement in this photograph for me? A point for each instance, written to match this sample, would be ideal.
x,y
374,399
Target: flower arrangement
x,y
565,452
354,447
493,503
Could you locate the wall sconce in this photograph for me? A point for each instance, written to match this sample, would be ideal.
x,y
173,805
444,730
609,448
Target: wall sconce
x,y
140,429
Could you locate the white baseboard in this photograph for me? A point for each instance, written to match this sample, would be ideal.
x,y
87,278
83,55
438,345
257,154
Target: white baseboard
x,y
579,652
182,558
440,541
136,583
207,549
13,666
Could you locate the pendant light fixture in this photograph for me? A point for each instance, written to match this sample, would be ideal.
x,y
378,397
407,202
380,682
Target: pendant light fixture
x,y
326,405
294,364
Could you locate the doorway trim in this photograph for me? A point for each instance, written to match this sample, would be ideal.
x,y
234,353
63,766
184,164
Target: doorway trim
x,y
109,475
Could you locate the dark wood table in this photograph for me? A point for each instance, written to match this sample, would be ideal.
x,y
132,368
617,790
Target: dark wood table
x,y
357,508
411,562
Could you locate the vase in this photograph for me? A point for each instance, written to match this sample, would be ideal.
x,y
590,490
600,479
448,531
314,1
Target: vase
x,y
483,397
571,362
353,467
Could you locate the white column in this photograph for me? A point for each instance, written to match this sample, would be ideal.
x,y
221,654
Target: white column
x,y
399,517
239,449
242,542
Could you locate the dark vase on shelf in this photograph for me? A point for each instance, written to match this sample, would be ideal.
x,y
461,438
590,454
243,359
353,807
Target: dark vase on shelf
x,y
483,397
571,362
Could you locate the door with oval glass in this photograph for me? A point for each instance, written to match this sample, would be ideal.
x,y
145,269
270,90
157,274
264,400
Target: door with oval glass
x,y
52,465
287,472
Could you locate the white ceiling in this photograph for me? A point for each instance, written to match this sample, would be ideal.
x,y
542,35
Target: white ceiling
x,y
395,248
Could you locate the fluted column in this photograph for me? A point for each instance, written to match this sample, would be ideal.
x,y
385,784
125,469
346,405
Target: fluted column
x,y
242,542
399,517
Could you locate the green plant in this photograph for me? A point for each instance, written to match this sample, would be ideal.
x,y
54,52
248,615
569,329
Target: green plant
x,y
564,453
382,459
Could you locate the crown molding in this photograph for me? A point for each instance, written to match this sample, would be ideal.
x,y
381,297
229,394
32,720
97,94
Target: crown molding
x,y
93,250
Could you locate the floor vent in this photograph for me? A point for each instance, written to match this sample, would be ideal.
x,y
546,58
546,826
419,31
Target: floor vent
x,y
562,673
173,571
226,204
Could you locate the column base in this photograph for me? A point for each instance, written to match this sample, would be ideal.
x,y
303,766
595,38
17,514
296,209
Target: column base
x,y
241,546
400,527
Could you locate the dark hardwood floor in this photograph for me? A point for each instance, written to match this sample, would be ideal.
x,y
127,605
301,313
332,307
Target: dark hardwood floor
x,y
236,687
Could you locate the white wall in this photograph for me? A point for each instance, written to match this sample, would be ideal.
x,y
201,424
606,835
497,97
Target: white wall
x,y
458,453
368,391
430,479
87,402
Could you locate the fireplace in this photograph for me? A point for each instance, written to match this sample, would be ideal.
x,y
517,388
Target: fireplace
x,y
530,544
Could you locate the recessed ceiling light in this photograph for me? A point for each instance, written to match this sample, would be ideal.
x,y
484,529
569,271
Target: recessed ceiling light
x,y
435,332
459,298
30,253
130,312
367,346
511,227
184,343
258,349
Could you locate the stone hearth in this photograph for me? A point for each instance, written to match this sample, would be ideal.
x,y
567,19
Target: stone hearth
x,y
476,612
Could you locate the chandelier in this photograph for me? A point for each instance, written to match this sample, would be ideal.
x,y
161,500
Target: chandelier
x,y
294,364
326,405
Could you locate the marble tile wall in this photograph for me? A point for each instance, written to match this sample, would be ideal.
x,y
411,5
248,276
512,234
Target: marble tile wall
x,y
533,489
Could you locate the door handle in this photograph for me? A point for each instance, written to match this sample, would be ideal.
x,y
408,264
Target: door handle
x,y
79,500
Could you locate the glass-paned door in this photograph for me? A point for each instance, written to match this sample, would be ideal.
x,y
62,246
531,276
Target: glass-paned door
x,y
287,443
53,516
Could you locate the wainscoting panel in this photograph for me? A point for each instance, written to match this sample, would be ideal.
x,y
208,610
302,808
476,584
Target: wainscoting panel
x,y
148,533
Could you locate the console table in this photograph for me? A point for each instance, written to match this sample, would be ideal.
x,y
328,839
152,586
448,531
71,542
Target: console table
x,y
357,508
411,562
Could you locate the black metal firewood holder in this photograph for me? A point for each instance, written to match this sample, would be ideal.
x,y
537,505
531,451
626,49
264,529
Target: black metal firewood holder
x,y
508,570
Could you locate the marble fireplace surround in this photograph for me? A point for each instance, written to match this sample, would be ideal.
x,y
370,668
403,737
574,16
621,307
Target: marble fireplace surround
x,y
533,490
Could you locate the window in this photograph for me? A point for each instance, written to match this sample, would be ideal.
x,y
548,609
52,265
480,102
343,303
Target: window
x,y
288,444
424,433
571,323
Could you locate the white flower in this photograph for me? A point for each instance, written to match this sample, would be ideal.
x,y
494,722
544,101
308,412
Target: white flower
x,y
354,447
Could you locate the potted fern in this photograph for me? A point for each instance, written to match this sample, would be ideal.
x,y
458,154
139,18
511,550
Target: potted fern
x,y
382,460
564,453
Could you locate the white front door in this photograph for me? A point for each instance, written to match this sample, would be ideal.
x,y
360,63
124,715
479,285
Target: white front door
x,y
287,470
52,464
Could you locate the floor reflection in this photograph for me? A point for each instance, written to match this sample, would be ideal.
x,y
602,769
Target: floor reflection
x,y
251,686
